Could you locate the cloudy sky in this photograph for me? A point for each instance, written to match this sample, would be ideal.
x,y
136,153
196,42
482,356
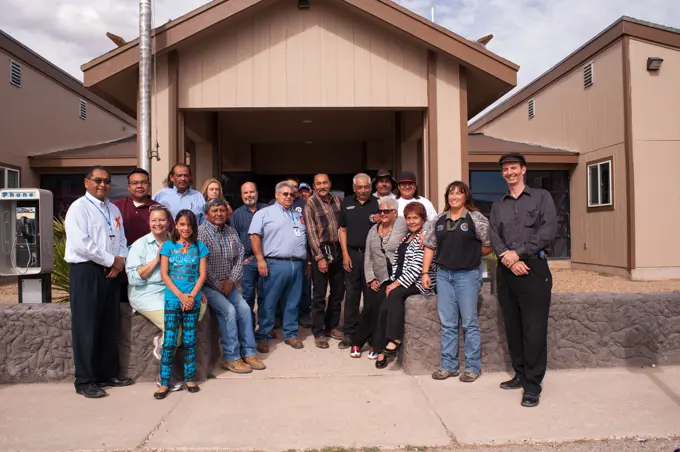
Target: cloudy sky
x,y
535,34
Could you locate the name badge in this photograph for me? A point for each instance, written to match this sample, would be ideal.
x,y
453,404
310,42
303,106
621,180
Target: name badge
x,y
298,232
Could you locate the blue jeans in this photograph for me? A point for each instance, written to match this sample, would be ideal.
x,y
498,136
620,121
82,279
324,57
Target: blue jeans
x,y
284,281
457,293
234,319
251,284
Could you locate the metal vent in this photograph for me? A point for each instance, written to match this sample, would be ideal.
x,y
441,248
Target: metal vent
x,y
83,109
532,108
15,73
588,75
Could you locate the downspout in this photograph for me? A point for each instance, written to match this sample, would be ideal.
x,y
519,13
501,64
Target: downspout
x,y
144,98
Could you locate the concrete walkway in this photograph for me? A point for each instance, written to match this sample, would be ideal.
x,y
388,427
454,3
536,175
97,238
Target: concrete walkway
x,y
314,399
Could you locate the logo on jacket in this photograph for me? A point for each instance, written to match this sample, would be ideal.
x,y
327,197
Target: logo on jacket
x,y
464,227
440,227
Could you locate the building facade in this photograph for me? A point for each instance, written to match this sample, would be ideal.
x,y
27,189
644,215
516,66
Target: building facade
x,y
615,102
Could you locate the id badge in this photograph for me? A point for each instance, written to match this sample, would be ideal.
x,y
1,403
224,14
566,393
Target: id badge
x,y
298,232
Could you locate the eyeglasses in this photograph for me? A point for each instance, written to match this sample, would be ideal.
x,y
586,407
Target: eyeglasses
x,y
137,183
287,194
386,211
99,181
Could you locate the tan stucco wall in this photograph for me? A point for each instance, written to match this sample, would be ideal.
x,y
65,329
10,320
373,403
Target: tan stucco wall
x,y
655,98
325,56
163,129
591,122
43,116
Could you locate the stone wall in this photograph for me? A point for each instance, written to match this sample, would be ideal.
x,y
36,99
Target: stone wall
x,y
584,330
35,345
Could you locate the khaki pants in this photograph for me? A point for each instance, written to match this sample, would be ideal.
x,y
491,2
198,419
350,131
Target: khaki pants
x,y
158,318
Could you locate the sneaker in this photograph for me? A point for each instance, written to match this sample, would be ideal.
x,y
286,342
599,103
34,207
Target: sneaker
x,y
469,376
372,354
442,374
174,387
254,363
237,366
355,352
158,346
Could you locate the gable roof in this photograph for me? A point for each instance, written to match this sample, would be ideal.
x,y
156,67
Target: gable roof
x,y
30,58
625,26
474,56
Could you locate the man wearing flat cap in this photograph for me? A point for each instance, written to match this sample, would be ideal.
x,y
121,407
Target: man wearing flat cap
x,y
523,227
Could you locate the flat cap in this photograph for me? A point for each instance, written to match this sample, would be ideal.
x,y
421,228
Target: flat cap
x,y
512,158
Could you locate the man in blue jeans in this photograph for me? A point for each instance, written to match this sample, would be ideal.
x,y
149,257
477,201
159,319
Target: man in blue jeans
x,y
279,240
225,269
251,285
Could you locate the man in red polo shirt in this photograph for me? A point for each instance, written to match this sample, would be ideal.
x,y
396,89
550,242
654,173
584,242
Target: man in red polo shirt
x,y
135,212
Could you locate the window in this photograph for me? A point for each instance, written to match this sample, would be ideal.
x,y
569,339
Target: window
x,y
532,108
83,109
9,177
600,183
15,73
588,75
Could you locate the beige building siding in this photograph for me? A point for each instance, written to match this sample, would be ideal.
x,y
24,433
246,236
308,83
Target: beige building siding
x,y
325,56
569,116
655,100
43,116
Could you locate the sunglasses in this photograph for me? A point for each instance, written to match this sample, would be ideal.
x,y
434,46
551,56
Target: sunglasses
x,y
386,211
287,194
98,181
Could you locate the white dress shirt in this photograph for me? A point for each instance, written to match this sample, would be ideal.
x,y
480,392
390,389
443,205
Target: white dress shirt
x,y
429,208
94,232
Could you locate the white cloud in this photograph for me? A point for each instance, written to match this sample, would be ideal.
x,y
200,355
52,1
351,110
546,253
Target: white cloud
x,y
535,34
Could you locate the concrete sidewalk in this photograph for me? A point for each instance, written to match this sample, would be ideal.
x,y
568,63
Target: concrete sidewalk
x,y
313,399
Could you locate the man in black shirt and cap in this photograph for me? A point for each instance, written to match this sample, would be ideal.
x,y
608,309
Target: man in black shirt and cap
x,y
523,225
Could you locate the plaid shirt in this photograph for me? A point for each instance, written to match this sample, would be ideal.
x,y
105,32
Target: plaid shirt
x,y
322,218
225,261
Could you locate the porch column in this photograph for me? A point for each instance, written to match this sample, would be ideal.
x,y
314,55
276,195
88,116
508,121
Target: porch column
x,y
443,147
164,119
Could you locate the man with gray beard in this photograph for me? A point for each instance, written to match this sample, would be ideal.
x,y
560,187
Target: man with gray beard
x,y
240,221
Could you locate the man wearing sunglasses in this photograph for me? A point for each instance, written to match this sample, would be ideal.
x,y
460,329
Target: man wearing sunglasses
x,y
96,249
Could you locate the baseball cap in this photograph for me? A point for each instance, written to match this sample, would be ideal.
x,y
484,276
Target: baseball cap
x,y
407,176
304,186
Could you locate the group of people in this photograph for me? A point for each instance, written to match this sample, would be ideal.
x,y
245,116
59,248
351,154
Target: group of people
x,y
296,260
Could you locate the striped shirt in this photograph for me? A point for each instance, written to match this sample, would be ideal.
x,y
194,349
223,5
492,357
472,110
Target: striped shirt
x,y
322,218
225,261
412,266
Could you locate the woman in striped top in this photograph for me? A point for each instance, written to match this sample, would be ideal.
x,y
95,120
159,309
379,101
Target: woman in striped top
x,y
406,281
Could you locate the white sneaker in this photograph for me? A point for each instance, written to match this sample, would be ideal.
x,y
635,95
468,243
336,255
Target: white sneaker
x,y
372,354
157,347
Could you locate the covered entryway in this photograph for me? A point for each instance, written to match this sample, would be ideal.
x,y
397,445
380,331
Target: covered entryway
x,y
263,89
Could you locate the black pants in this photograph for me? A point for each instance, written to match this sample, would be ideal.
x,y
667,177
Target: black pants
x,y
355,285
369,316
95,323
525,302
327,317
390,324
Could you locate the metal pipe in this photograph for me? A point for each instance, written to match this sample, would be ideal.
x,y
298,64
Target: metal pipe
x,y
144,107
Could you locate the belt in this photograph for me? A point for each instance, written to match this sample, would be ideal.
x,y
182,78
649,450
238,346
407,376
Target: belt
x,y
361,250
292,259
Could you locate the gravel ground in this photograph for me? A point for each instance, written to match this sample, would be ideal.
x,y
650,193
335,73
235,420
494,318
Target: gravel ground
x,y
564,280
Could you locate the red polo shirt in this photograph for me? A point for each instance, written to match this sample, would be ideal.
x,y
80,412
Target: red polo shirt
x,y
136,219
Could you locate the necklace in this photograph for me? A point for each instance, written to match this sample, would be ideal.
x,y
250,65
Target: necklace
x,y
389,234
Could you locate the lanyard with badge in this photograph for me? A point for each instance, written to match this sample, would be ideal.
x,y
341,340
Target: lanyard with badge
x,y
296,227
112,235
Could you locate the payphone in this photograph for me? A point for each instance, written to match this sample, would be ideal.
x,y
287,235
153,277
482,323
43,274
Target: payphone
x,y
26,241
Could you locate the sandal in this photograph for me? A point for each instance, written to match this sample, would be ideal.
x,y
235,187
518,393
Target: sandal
x,y
381,363
391,352
193,388
161,394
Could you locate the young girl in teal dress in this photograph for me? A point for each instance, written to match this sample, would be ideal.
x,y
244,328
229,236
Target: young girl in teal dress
x,y
183,269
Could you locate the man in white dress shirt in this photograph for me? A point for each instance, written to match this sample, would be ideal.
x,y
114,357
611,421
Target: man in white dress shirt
x,y
96,249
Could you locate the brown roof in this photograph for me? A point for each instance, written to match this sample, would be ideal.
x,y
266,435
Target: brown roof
x,y
483,148
497,75
121,152
28,57
625,26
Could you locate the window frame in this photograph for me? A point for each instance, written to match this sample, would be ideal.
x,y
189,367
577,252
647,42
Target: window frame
x,y
599,163
6,168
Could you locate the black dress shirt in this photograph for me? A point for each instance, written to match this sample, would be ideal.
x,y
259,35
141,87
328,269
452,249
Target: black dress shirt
x,y
526,225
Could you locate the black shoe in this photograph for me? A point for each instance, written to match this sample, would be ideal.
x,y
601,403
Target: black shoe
x,y
392,352
515,383
381,363
529,399
192,389
91,391
160,395
116,382
345,343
